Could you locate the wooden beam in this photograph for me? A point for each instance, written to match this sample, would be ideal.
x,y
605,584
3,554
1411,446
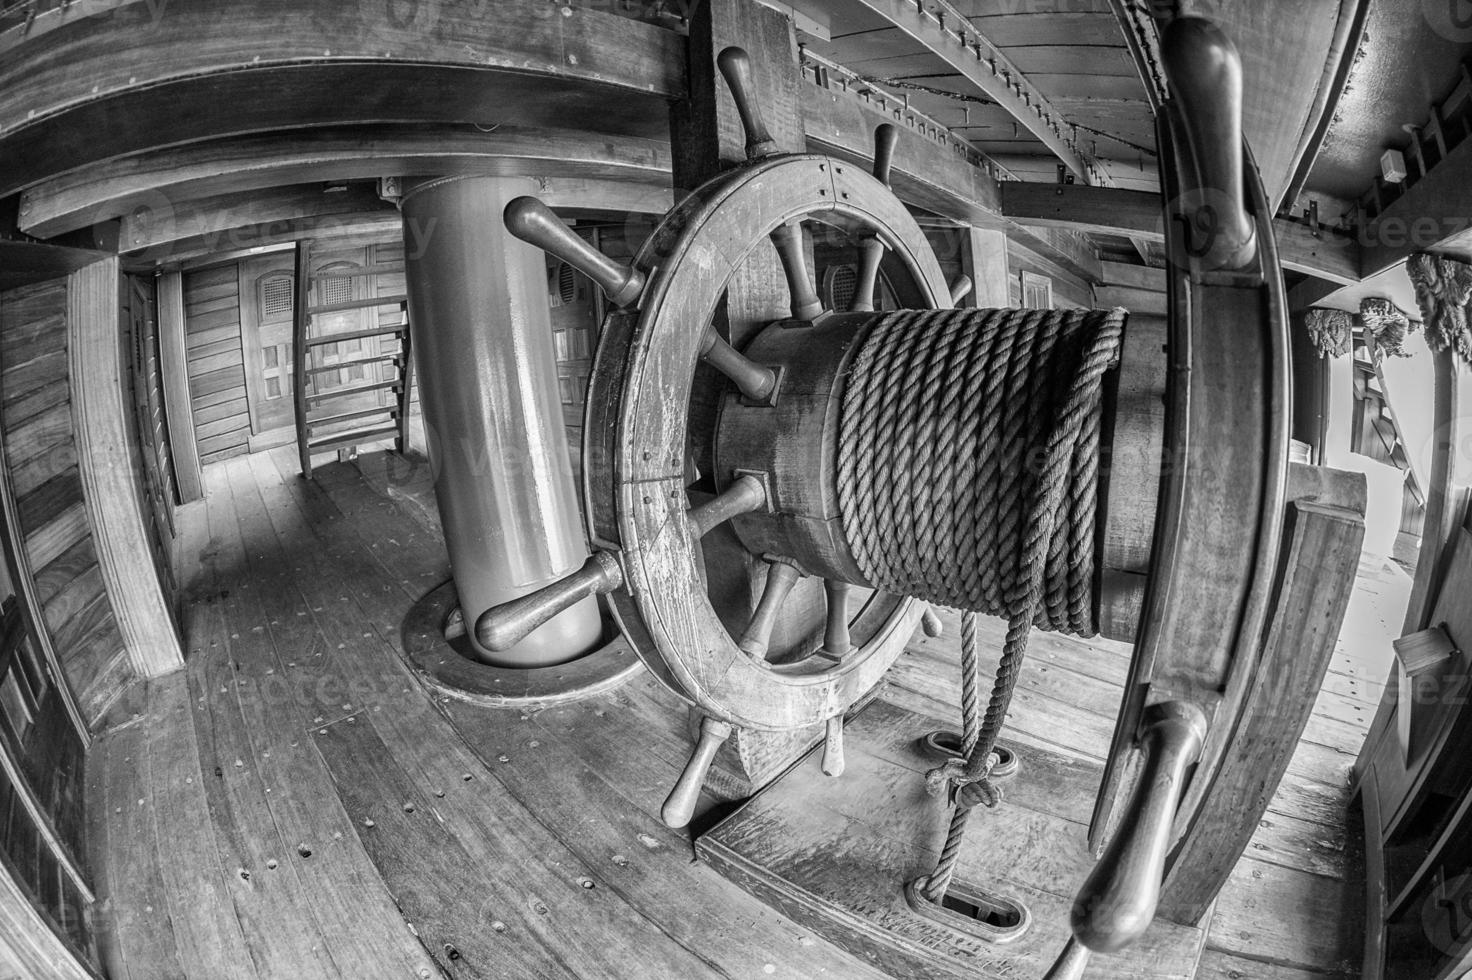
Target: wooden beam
x,y
985,258
928,175
23,263
238,223
924,173
1138,214
154,81
174,370
945,32
152,183
1433,215
243,220
112,501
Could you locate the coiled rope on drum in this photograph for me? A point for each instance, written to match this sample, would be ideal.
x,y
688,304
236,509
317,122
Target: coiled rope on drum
x,y
968,470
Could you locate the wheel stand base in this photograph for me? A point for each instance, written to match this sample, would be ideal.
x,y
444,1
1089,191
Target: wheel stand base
x,y
436,659
834,855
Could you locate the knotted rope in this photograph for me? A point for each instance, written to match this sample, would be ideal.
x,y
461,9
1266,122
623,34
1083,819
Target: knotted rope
x,y
968,466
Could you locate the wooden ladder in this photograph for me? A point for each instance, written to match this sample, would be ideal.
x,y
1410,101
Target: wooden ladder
x,y
326,421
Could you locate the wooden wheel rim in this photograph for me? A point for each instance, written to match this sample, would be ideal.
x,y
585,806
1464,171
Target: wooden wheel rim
x,y
636,437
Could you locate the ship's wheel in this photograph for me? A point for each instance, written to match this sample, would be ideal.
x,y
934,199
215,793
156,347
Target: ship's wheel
x,y
816,467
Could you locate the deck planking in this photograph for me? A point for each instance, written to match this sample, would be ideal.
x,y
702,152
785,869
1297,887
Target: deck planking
x,y
297,591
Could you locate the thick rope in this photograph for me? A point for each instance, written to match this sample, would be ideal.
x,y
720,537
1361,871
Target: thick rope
x,y
968,476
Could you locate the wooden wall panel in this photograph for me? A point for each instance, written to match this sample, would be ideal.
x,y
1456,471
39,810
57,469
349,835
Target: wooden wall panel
x,y
1069,291
216,362
40,453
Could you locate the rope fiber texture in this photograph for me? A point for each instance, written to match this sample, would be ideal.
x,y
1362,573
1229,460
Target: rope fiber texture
x,y
968,471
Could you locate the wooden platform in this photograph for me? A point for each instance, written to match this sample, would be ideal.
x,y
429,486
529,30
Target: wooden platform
x,y
294,805
835,854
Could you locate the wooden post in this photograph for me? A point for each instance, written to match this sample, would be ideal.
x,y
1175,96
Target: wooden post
x,y
110,479
985,261
178,408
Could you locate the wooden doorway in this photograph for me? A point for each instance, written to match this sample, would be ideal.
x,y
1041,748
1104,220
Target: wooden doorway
x,y
267,292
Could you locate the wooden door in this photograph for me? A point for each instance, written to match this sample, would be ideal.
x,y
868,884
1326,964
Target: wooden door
x,y
336,279
141,308
267,296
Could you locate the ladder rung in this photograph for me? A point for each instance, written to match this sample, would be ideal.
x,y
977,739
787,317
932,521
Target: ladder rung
x,y
387,269
357,304
393,358
348,392
392,411
355,438
342,338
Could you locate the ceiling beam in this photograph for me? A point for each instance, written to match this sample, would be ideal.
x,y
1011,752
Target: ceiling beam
x,y
261,218
1139,214
157,181
1431,215
930,174
945,32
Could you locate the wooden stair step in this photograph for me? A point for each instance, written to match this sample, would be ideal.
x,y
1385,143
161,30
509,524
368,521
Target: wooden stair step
x,y
356,390
358,304
386,269
392,358
342,338
323,420
356,437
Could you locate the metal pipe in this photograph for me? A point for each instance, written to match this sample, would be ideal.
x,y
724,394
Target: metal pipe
x,y
483,347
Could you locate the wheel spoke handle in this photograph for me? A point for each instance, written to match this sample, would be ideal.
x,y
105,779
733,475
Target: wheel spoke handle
x,y
679,806
533,222
741,497
1205,74
502,627
960,289
757,382
884,139
736,69
1070,964
1118,899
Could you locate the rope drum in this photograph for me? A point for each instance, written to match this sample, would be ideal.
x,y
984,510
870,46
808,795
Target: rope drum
x,y
968,470
966,434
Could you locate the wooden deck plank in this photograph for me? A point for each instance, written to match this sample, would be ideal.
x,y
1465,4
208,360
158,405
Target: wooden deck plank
x,y
1216,965
98,776
505,844
1289,917
209,940
359,922
561,779
836,853
592,785
591,805
278,923
140,908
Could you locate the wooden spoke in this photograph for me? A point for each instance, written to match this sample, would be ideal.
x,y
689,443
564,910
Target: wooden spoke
x,y
836,641
742,497
884,140
873,253
735,66
781,577
960,289
502,627
931,624
679,806
533,222
756,382
805,302
833,747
